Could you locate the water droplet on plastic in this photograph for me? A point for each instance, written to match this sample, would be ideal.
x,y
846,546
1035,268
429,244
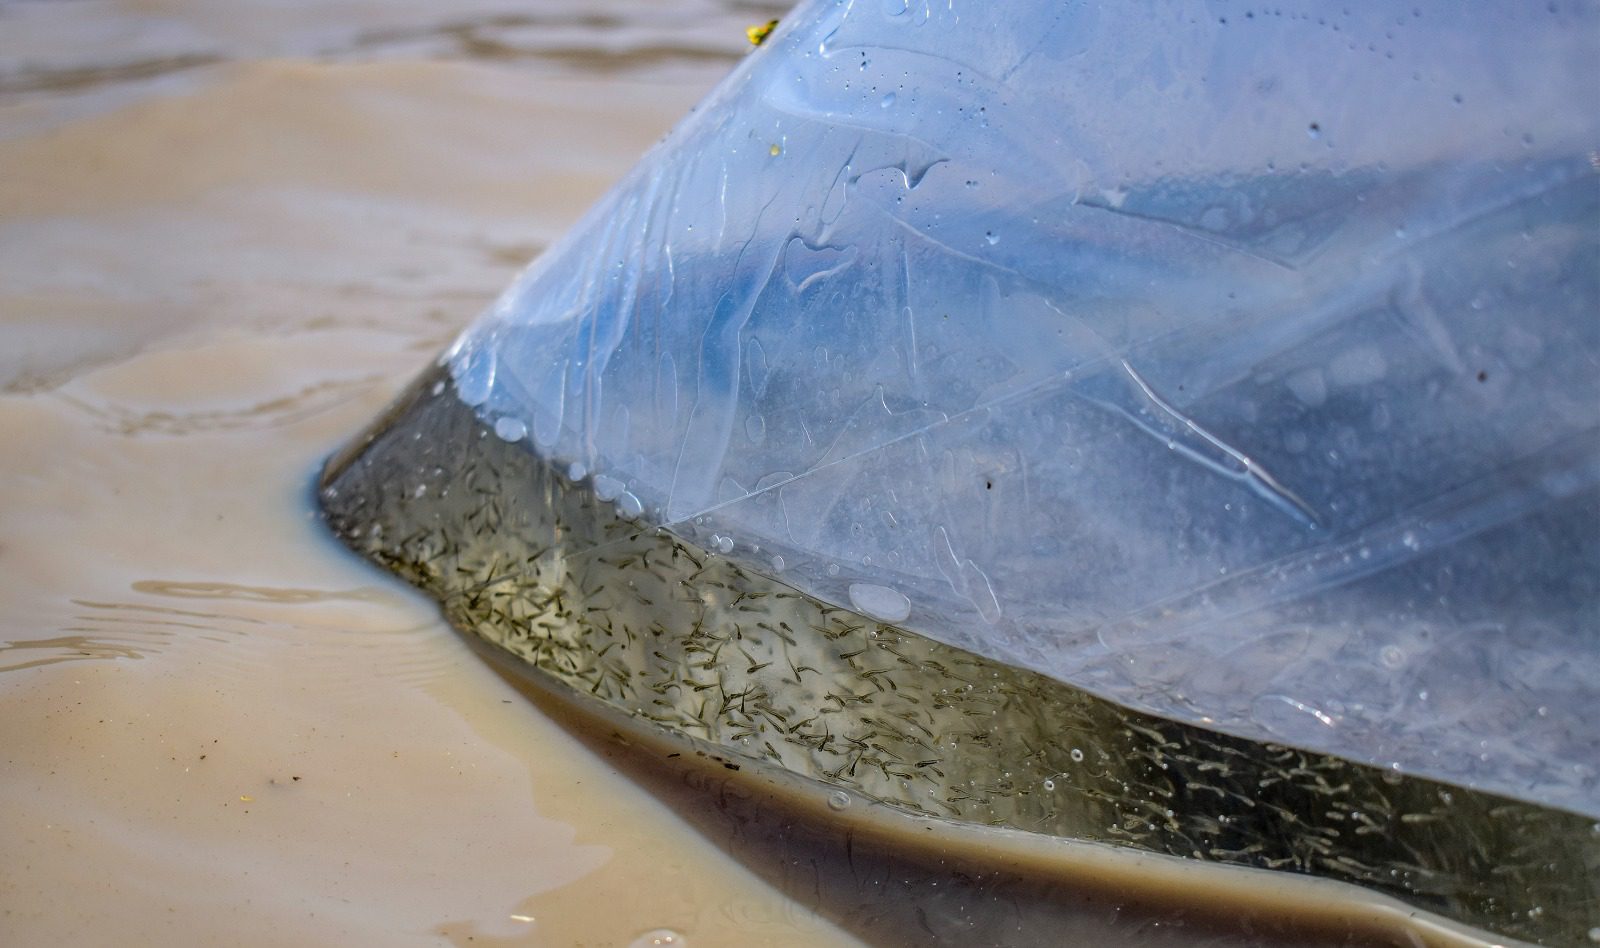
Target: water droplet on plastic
x,y
838,800
438,388
992,237
576,471
510,429
607,488
1392,656
833,569
628,506
777,564
475,376
887,101
724,544
1290,718
879,602
660,938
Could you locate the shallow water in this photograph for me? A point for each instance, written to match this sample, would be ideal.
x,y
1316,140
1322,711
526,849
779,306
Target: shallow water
x,y
229,232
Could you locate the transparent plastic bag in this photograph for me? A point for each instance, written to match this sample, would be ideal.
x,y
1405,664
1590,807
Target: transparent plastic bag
x,y
1239,365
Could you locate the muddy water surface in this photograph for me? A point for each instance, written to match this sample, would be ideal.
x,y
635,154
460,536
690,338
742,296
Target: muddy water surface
x,y
228,233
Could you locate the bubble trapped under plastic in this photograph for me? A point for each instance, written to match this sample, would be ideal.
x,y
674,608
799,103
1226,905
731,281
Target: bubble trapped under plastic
x,y
1236,369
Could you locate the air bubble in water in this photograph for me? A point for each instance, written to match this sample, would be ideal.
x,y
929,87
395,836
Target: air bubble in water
x,y
838,800
1076,755
887,101
628,506
724,544
777,564
510,429
577,472
879,602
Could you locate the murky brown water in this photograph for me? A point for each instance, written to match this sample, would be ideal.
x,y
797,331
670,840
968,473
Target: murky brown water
x,y
222,248
229,232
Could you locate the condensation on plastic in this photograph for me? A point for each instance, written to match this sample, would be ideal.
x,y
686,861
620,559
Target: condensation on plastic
x,y
1241,365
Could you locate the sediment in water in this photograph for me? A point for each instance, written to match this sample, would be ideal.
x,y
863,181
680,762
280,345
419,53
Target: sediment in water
x,y
677,647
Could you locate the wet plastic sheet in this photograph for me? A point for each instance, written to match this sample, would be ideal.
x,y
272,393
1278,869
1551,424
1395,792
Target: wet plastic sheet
x,y
1240,365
